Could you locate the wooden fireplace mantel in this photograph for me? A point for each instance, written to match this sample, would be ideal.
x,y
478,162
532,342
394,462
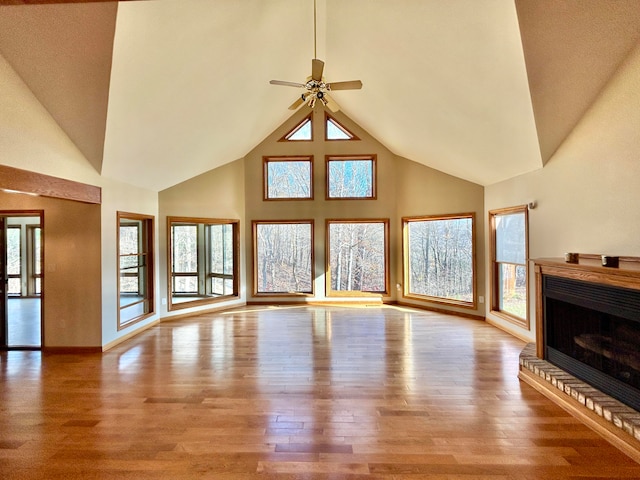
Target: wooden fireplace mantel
x,y
588,269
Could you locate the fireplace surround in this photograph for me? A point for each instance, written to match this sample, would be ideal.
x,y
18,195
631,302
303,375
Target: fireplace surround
x,y
587,351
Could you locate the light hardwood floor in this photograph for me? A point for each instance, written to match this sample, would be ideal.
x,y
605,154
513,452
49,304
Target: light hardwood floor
x,y
294,393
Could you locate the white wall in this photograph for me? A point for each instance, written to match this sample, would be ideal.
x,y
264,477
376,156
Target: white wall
x,y
588,194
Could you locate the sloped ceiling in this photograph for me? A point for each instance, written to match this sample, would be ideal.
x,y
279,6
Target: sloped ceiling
x,y
445,83
63,53
572,49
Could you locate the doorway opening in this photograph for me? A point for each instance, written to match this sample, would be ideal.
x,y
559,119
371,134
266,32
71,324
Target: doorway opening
x,y
21,267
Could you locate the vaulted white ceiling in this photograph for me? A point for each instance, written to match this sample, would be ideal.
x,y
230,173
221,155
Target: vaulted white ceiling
x,y
156,92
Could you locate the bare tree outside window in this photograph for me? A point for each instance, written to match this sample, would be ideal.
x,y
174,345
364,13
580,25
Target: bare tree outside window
x,y
14,260
510,247
351,178
203,255
440,258
288,178
357,255
284,257
185,258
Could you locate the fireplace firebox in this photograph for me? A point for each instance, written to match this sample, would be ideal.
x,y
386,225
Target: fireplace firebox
x,y
592,331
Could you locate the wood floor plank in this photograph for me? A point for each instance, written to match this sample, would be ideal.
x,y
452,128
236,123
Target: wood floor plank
x,y
294,392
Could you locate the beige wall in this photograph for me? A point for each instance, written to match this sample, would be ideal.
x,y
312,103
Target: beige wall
x,y
588,194
71,278
80,302
425,191
404,188
218,193
319,209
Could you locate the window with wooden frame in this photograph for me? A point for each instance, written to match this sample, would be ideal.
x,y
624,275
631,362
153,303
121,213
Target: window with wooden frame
x,y
509,267
288,178
439,258
135,268
335,131
34,260
283,257
203,258
357,257
14,260
302,132
351,177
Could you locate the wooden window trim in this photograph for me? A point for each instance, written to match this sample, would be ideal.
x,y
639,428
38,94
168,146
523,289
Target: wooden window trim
x,y
254,263
236,261
287,136
340,126
405,260
373,158
285,158
494,288
356,293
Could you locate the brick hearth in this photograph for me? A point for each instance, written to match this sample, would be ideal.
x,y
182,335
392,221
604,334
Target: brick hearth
x,y
590,399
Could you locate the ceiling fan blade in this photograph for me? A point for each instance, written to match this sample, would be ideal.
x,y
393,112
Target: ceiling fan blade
x,y
331,104
297,103
286,84
317,66
349,85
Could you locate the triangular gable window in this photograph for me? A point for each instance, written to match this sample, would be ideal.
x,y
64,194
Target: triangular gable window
x,y
336,131
303,132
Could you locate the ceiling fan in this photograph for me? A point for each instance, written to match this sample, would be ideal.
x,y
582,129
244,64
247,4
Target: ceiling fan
x,y
316,88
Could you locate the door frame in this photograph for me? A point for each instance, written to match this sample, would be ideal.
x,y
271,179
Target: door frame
x,y
4,319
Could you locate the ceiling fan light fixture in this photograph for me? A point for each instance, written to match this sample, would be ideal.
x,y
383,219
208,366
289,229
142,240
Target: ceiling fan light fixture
x,y
316,87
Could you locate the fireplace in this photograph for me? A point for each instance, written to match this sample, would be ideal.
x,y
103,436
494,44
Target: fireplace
x,y
586,356
592,331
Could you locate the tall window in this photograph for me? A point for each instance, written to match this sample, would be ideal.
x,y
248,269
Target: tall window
x,y
14,260
509,272
351,177
439,255
288,178
283,257
203,256
34,264
135,278
357,256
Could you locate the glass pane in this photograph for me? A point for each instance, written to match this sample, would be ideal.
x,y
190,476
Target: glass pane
x,y
289,179
129,284
185,248
350,179
132,312
512,289
38,286
510,238
302,133
129,237
284,257
37,268
217,286
185,285
13,251
228,286
441,258
357,256
14,287
131,261
334,132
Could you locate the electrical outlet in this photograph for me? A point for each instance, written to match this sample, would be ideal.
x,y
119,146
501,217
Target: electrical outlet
x,y
481,299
